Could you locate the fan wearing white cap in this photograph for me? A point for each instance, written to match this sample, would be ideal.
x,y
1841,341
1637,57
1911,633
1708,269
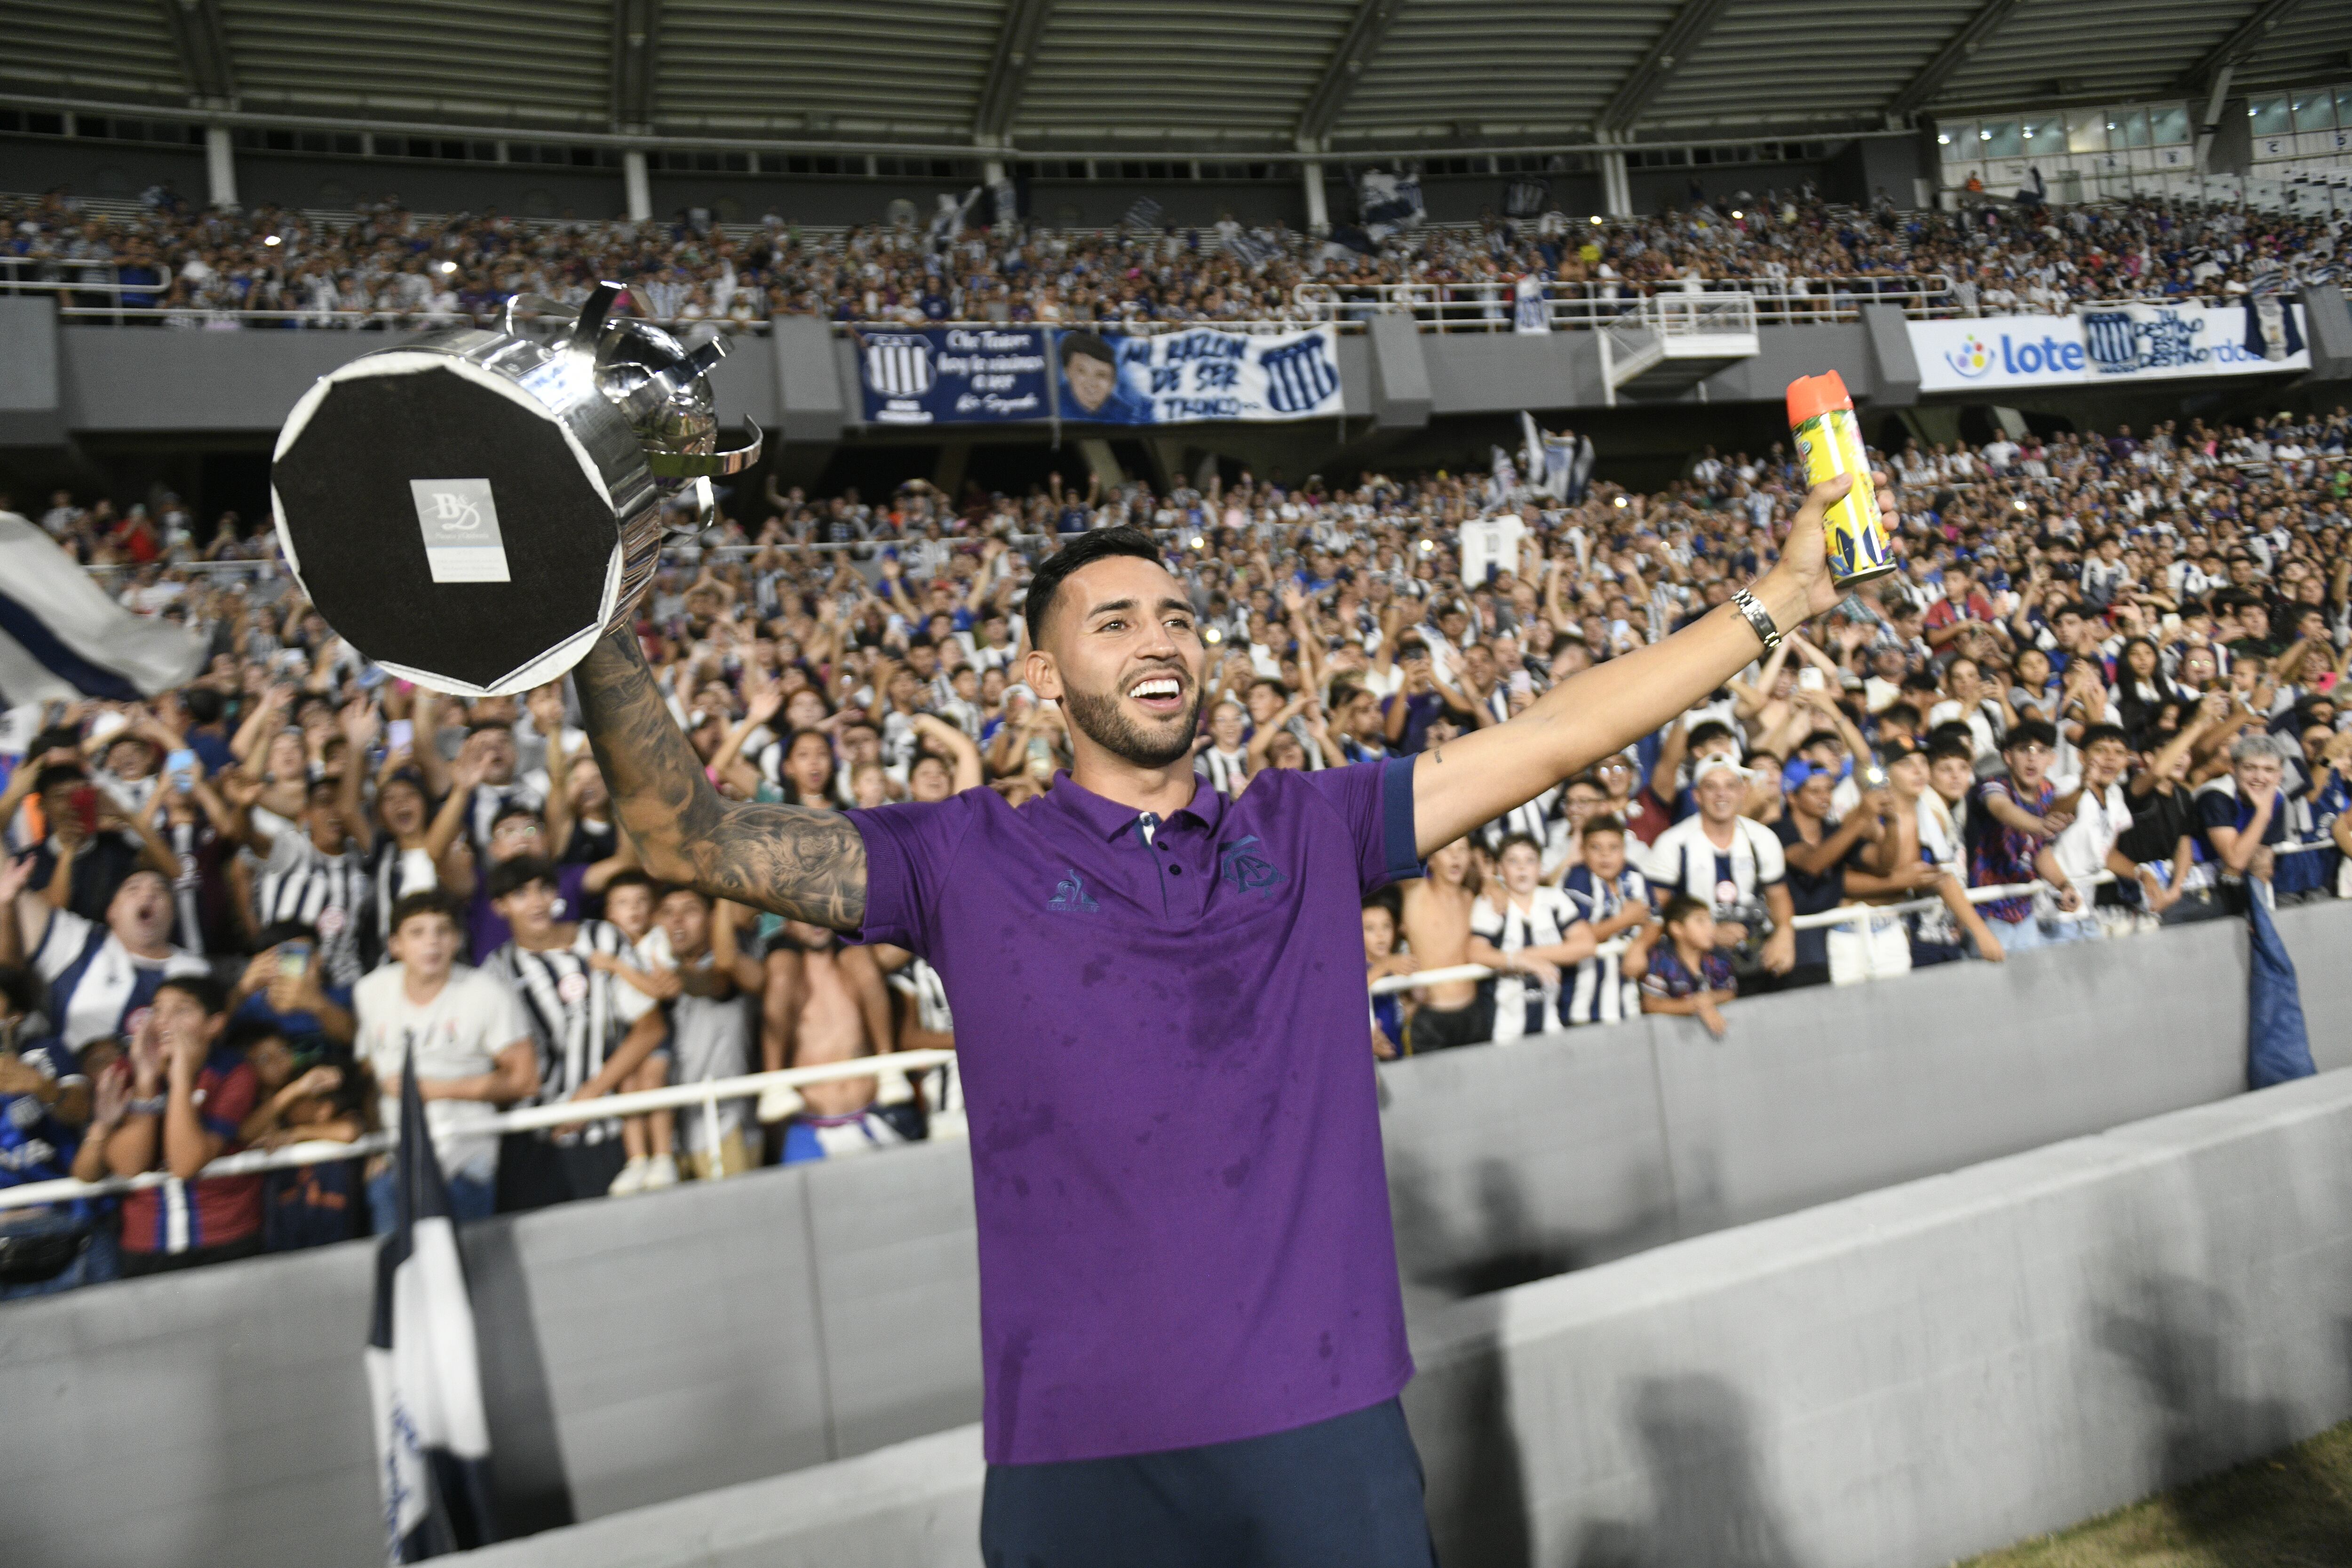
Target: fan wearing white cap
x,y
1734,865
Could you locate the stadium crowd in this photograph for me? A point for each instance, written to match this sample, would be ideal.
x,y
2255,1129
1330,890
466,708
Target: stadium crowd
x,y
390,267
2104,683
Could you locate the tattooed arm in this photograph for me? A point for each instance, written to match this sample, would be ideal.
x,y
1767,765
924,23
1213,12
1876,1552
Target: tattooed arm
x,y
803,864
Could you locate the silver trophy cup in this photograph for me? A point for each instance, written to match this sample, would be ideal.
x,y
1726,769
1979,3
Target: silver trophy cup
x,y
472,510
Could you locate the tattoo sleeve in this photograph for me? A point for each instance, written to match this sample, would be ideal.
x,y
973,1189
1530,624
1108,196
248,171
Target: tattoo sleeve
x,y
803,864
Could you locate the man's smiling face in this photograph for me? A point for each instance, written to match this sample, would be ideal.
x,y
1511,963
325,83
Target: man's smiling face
x,y
1121,652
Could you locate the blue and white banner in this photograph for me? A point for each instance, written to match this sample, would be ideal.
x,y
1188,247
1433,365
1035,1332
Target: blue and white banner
x,y
945,375
423,1368
61,637
1202,374
2106,343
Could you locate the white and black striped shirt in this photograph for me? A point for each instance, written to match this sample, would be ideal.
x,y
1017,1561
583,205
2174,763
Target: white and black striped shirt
x,y
1524,1005
1226,772
578,1017
329,893
396,873
1600,994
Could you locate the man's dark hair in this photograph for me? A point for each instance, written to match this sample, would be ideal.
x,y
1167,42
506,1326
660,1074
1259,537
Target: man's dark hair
x,y
56,773
1527,838
633,877
1083,549
429,901
2093,733
513,876
1604,825
1954,732
2078,609
2030,732
1681,907
1074,344
206,991
203,704
1902,713
1710,729
512,810
277,932
1948,750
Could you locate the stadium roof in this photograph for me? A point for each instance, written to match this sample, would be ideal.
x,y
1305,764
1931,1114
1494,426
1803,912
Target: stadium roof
x,y
1199,76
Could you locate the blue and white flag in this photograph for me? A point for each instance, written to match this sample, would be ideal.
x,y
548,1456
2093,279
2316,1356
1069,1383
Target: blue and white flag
x,y
2278,1047
1200,373
431,1435
1529,310
61,637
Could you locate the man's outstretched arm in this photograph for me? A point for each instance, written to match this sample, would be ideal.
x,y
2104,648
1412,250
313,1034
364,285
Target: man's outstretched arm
x,y
1476,778
803,864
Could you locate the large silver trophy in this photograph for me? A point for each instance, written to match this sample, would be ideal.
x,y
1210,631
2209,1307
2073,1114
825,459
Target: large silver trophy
x,y
471,511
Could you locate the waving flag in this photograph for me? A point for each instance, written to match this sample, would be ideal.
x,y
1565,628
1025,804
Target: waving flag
x,y
2278,1047
61,637
433,1441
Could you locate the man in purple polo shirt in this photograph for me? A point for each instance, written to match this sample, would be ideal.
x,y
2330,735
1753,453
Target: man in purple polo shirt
x,y
1189,1317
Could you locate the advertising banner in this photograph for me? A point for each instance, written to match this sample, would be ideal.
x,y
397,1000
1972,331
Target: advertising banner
x,y
2138,342
944,375
1202,373
2105,344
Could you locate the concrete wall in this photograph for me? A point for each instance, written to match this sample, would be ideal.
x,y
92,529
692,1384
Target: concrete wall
x,y
1892,1380
655,1348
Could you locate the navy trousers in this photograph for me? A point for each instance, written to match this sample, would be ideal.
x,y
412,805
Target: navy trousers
x,y
1342,1493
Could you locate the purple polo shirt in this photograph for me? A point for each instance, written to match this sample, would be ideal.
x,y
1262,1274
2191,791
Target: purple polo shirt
x,y
1183,1214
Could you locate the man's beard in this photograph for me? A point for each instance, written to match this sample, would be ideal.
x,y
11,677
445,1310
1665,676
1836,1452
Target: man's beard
x,y
1109,726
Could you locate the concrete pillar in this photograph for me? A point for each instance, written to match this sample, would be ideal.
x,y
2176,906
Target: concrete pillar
x,y
1616,193
220,166
1318,213
637,189
991,172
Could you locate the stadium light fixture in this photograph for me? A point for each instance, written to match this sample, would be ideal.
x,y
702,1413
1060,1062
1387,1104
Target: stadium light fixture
x,y
1943,138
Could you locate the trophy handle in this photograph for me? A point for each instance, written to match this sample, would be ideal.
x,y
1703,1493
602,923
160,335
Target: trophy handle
x,y
540,303
692,466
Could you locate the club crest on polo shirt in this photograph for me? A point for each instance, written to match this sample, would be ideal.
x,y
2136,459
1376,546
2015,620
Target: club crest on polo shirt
x,y
1248,870
1070,896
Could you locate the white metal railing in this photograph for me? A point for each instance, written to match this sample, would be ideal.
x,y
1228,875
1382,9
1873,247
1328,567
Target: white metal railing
x,y
1843,915
1489,305
892,1068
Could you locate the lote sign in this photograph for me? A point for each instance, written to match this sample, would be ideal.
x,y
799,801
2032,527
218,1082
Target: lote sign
x,y
2114,342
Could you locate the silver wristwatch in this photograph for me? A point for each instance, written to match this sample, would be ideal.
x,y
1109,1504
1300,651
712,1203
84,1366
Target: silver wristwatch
x,y
1744,602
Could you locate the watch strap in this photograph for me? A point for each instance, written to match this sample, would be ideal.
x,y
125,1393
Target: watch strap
x,y
1744,602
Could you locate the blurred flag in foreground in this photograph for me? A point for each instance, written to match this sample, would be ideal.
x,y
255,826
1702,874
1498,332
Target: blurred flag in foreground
x,y
433,1441
2277,1046
61,637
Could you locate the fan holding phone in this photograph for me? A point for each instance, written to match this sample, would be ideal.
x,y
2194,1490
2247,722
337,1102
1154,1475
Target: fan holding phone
x,y
88,847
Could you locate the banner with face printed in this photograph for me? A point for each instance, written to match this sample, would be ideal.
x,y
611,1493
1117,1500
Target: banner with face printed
x,y
1200,373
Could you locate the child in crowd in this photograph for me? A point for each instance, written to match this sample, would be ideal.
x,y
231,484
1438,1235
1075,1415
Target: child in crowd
x,y
1684,974
650,1139
1613,899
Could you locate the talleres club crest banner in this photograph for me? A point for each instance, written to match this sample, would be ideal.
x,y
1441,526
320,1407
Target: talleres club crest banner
x,y
947,375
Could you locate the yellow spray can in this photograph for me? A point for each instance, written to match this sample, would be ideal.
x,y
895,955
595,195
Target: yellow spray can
x,y
1829,441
